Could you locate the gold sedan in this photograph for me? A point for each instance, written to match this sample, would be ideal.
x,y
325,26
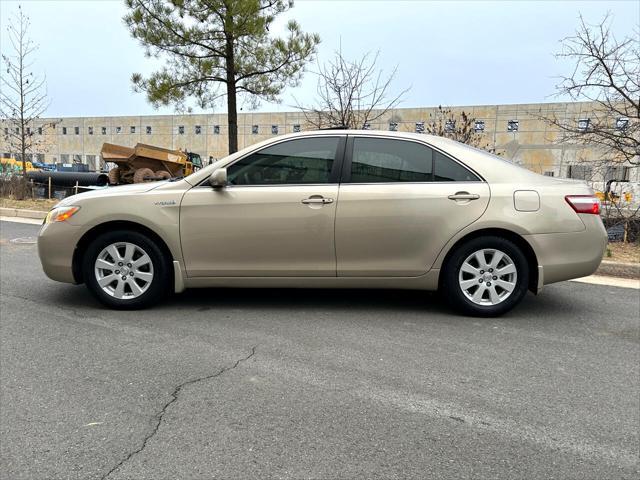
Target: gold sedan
x,y
349,208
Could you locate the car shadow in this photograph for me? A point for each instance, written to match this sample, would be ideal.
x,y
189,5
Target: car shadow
x,y
305,299
544,308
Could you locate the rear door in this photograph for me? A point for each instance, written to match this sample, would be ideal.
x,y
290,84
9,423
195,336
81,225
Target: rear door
x,y
400,202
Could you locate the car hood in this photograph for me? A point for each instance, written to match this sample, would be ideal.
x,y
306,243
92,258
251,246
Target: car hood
x,y
112,191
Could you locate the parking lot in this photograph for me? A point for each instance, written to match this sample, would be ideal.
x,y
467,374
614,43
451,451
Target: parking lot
x,y
313,384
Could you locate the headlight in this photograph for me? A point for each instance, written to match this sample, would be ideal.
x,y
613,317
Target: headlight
x,y
60,214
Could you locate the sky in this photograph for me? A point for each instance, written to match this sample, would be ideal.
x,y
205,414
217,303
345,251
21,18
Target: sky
x,y
446,52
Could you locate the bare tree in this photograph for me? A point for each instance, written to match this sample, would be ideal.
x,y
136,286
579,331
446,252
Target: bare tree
x,y
458,126
606,71
23,97
351,94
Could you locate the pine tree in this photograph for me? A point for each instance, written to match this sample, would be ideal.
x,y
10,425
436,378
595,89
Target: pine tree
x,y
218,48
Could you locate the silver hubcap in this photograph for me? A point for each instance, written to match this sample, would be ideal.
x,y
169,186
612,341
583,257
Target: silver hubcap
x,y
488,277
124,270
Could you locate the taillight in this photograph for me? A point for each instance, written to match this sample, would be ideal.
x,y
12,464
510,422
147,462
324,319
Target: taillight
x,y
584,203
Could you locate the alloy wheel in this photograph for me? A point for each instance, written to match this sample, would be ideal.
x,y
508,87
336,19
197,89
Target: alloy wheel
x,y
123,270
488,277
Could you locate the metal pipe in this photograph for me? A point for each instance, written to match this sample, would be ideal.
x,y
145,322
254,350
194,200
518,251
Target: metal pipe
x,y
69,179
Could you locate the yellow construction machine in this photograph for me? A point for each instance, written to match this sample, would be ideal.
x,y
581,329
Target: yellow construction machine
x,y
146,163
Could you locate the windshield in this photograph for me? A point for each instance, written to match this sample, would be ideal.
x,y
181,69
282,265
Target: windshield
x,y
196,160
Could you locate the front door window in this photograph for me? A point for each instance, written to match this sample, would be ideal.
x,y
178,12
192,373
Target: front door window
x,y
295,162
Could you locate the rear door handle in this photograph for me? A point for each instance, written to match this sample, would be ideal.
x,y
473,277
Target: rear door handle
x,y
464,196
317,199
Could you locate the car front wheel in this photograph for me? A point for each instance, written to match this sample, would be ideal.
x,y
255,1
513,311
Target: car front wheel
x,y
486,277
126,270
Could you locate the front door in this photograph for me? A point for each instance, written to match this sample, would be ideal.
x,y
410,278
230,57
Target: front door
x,y
275,218
400,203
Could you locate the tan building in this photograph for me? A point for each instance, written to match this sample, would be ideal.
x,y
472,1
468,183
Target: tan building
x,y
517,132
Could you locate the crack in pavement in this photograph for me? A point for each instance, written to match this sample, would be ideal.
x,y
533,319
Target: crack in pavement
x,y
174,396
74,311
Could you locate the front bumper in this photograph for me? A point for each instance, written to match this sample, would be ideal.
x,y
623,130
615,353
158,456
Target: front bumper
x,y
56,244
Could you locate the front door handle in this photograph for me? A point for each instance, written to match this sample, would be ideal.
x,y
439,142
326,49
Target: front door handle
x,y
317,200
464,196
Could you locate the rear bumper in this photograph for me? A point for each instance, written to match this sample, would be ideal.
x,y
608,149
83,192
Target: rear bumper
x,y
56,244
564,256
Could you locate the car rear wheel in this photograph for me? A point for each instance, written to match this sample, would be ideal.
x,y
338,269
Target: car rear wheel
x,y
126,270
485,277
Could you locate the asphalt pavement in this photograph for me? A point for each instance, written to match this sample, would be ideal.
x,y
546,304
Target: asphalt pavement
x,y
241,384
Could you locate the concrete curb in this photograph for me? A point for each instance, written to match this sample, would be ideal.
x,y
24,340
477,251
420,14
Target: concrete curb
x,y
19,212
619,269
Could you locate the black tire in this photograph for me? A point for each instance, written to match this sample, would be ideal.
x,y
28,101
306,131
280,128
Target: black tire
x,y
143,175
114,176
451,289
160,285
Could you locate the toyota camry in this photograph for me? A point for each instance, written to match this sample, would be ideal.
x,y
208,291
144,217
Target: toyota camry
x,y
338,209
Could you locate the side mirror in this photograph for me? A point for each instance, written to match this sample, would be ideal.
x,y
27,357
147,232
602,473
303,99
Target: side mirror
x,y
218,178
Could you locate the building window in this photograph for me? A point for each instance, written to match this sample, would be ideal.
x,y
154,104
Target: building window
x,y
622,123
583,124
118,129
39,130
104,130
450,125
181,129
76,130
28,130
296,128
6,131
64,130
91,162
40,157
513,125
90,130
133,129
393,126
580,172
17,131
148,129
274,129
616,173
255,129
549,173
216,129
64,157
419,127
479,126
77,158
198,129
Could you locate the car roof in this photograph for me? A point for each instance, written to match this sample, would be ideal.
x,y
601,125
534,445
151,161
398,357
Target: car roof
x,y
491,167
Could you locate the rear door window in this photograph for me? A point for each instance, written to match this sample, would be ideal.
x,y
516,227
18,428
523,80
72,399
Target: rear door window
x,y
384,160
447,170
